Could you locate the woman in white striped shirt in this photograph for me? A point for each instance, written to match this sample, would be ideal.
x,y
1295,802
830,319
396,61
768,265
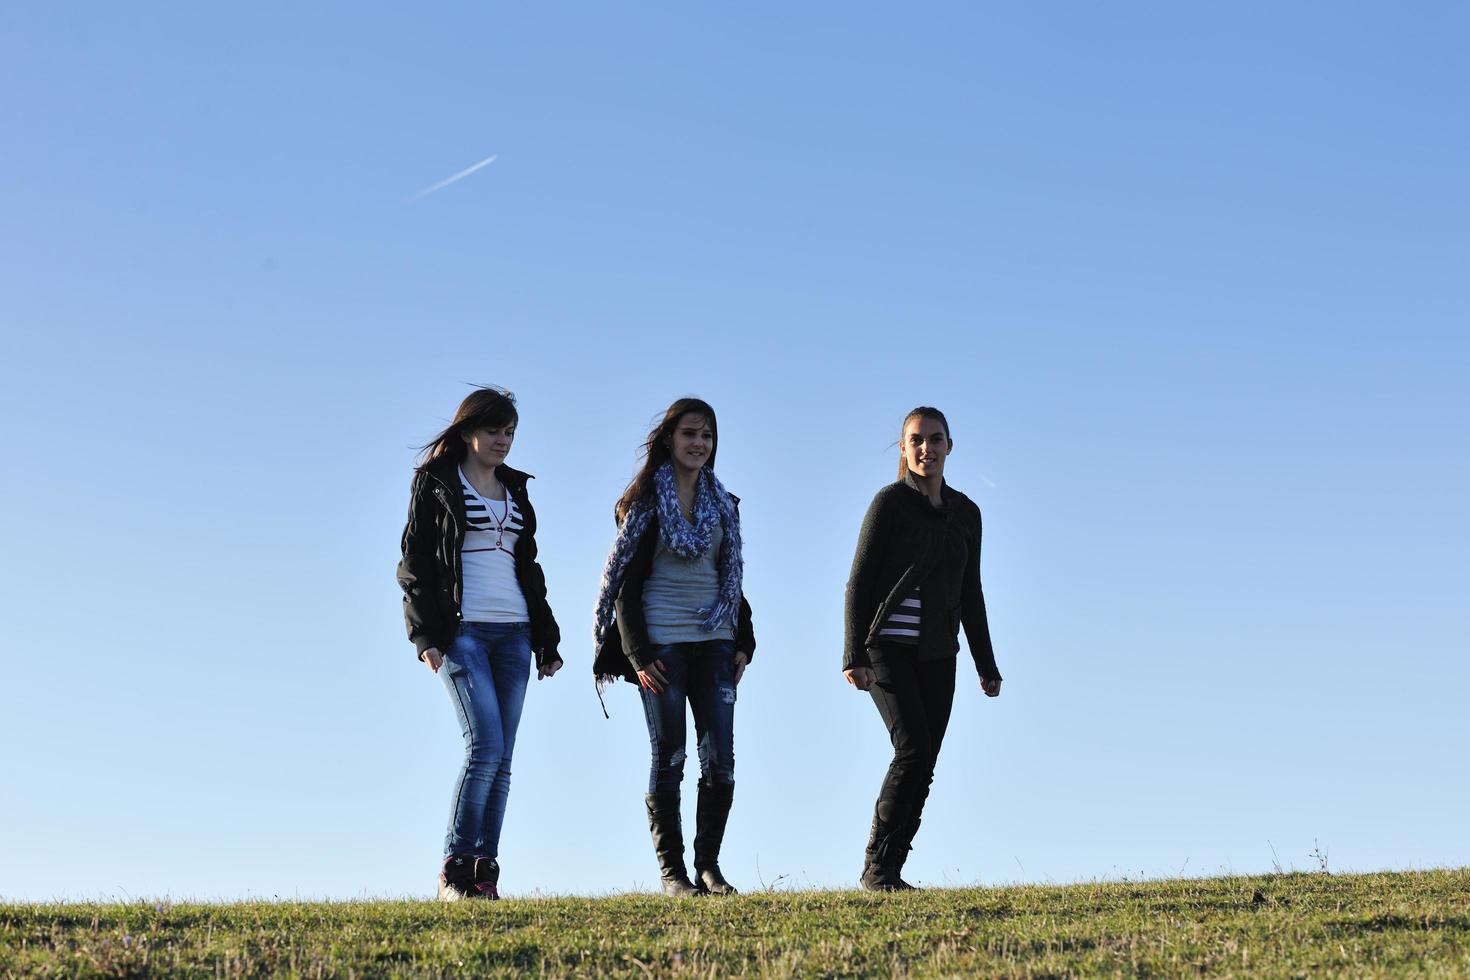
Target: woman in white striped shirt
x,y
475,603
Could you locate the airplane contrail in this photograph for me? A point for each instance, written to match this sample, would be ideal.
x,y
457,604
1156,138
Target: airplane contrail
x,y
449,180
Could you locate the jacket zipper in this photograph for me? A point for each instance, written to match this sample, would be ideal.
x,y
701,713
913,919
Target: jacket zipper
x,y
443,494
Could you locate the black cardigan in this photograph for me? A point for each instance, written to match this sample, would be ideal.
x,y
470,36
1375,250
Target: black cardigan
x,y
430,573
905,542
625,648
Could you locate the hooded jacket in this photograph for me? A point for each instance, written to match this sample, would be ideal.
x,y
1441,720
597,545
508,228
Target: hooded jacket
x,y
432,577
906,542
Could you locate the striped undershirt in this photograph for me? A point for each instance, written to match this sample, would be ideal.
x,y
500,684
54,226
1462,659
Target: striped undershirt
x,y
902,626
491,591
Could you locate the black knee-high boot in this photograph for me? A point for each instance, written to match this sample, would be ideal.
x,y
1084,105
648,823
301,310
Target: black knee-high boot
x,y
710,814
668,844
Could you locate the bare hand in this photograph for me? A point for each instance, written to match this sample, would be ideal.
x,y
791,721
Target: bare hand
x,y
860,677
741,659
433,658
991,688
548,670
652,678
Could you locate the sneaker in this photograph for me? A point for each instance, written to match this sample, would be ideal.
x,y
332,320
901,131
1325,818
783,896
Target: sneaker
x,y
487,878
457,878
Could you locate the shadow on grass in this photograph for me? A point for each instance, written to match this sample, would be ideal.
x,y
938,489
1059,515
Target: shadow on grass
x,y
1397,923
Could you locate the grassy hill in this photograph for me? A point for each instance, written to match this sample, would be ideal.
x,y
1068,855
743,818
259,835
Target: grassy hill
x,y
1280,925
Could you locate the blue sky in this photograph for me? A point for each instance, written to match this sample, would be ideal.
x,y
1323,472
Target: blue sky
x,y
1188,281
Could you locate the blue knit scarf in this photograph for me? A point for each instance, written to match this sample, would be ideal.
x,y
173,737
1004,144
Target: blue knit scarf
x,y
713,507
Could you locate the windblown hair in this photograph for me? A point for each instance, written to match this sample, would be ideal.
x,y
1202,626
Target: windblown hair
x,y
656,450
488,407
922,412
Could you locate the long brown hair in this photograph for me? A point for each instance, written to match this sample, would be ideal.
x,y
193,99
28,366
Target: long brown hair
x,y
486,407
656,450
922,412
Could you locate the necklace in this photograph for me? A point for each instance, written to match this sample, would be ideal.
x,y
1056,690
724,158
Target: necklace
x,y
500,520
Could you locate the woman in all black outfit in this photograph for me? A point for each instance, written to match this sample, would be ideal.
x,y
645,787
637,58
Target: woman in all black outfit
x,y
474,598
672,617
915,580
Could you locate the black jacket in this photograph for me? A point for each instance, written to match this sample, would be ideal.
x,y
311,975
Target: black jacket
x,y
430,572
905,542
626,646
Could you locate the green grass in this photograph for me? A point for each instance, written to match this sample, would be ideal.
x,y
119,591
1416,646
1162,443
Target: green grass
x,y
1280,925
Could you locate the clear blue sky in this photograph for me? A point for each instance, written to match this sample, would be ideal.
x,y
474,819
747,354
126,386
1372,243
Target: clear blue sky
x,y
1189,281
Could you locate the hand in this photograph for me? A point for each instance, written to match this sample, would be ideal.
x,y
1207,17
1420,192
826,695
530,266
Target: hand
x,y
652,678
741,659
991,688
548,670
433,658
860,677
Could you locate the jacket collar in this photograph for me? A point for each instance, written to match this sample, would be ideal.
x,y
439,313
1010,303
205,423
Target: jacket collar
x,y
946,494
512,477
446,471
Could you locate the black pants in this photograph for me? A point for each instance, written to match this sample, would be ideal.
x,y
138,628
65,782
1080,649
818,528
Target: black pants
x,y
914,697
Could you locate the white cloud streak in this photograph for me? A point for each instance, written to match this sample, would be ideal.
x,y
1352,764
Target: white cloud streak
x,y
449,180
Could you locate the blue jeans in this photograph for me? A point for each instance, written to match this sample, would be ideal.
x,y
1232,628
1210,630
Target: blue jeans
x,y
704,675
485,670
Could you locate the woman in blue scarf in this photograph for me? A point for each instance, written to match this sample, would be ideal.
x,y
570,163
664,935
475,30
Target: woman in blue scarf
x,y
671,617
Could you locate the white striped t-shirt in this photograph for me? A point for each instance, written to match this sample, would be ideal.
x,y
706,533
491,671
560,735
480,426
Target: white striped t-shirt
x,y
491,592
902,625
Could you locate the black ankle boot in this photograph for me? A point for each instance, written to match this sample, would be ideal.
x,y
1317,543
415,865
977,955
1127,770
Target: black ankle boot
x,y
886,851
905,841
710,815
668,844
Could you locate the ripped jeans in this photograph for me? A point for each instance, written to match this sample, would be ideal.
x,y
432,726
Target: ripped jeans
x,y
704,675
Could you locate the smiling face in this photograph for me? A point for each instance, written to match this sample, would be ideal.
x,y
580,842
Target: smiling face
x,y
692,442
489,446
925,447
